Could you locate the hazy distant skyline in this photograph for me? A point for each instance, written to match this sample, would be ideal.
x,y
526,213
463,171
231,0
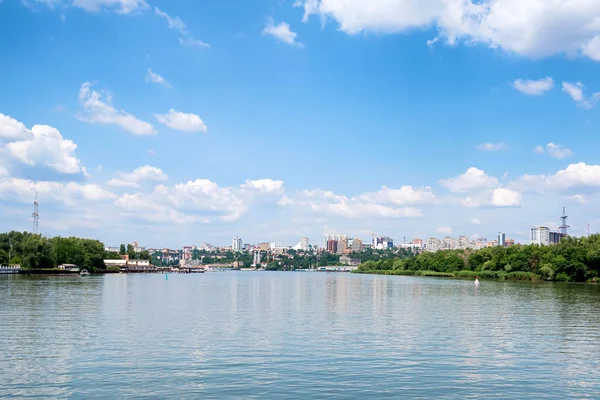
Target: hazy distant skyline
x,y
175,123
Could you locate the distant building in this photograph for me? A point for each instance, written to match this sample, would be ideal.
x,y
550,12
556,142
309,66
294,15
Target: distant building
x,y
383,242
332,246
264,246
237,244
555,237
136,247
510,242
493,243
357,245
501,242
417,242
347,260
447,243
433,245
462,242
302,245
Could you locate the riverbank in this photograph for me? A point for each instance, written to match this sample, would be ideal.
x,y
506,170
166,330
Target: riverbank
x,y
484,275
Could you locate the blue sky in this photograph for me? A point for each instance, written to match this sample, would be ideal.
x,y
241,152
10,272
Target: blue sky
x,y
184,122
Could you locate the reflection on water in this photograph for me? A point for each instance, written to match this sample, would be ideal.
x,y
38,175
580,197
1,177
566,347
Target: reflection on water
x,y
296,335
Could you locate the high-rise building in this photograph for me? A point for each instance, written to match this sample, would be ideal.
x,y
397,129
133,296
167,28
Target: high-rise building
x,y
302,245
540,235
433,245
501,239
357,245
237,244
418,242
332,246
462,242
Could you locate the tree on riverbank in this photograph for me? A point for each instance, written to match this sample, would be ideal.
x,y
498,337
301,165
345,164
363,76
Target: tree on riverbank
x,y
573,259
39,252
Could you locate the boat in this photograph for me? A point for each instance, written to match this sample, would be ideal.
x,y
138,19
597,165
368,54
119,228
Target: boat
x,y
84,272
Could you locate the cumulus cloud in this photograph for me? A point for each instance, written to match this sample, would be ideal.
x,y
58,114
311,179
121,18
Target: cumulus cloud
x,y
503,197
543,28
174,23
182,121
98,109
383,204
264,186
475,221
281,32
11,129
156,78
147,173
492,146
576,177
473,179
42,146
24,190
533,87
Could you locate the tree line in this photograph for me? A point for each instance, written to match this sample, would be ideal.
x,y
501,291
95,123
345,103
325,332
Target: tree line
x,y
571,260
32,251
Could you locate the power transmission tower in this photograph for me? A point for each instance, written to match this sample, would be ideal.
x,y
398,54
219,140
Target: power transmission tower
x,y
36,216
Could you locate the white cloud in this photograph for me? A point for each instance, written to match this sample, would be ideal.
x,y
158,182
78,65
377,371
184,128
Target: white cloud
x,y
281,32
503,197
120,6
147,173
574,177
492,146
532,87
191,42
152,152
264,185
405,196
558,151
174,23
99,110
446,230
47,148
359,207
24,190
156,78
578,198
539,149
473,179
40,146
475,221
531,28
12,129
575,91
182,121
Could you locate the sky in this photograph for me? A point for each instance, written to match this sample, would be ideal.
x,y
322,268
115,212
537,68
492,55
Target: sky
x,y
182,122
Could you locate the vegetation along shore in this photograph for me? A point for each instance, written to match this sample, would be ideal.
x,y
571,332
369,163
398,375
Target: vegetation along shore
x,y
571,260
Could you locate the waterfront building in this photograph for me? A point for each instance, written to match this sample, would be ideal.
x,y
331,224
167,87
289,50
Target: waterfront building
x,y
237,244
347,260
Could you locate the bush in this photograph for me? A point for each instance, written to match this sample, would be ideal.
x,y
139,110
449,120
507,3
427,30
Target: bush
x,y
562,277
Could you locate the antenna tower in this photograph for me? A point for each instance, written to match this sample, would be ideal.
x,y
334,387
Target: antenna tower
x,y
36,216
564,227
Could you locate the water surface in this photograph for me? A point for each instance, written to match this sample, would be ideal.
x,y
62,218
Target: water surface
x,y
296,335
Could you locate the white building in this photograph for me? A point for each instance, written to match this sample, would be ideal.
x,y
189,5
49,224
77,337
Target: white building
x,y
302,245
433,245
237,244
448,243
540,235
462,242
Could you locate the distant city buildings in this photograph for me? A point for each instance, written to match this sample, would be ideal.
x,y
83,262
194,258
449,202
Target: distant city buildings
x,y
382,242
302,245
501,239
237,244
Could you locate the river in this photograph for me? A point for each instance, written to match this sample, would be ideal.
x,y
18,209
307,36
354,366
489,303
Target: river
x,y
296,335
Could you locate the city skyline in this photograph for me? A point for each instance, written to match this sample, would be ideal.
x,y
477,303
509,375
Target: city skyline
x,y
171,124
